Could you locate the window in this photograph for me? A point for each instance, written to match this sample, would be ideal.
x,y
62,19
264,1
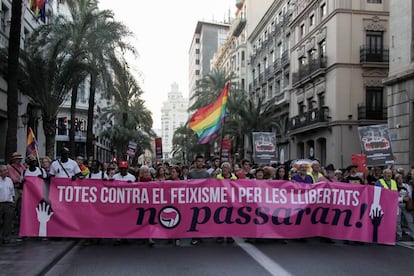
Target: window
x,y
374,46
322,49
270,92
301,108
302,30
374,98
310,103
321,98
323,10
375,1
374,40
312,20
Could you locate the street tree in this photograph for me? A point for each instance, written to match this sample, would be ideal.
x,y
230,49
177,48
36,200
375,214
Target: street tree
x,y
132,121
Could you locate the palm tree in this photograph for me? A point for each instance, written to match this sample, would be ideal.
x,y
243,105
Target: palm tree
x,y
209,88
247,115
133,121
12,78
106,38
45,77
185,145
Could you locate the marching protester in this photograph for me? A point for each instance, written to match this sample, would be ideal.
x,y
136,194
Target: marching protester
x,y
97,171
123,173
244,172
65,167
302,175
214,170
81,163
199,172
33,169
15,172
226,173
175,173
316,171
6,204
404,216
353,176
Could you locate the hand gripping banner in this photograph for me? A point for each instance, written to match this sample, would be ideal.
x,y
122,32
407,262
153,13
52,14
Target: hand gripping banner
x,y
208,208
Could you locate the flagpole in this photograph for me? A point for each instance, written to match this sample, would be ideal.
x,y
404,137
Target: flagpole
x,y
222,126
37,156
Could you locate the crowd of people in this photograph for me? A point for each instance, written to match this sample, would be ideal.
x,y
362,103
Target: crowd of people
x,y
12,180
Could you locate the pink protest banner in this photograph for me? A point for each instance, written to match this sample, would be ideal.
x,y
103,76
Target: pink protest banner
x,y
209,208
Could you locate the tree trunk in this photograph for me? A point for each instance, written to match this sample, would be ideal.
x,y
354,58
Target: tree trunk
x,y
89,131
49,128
12,77
72,119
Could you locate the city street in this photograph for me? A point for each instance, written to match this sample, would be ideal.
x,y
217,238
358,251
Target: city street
x,y
309,257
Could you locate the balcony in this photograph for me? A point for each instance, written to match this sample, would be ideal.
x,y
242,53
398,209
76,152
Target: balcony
x,y
369,54
315,68
369,113
268,73
238,26
285,57
277,66
313,116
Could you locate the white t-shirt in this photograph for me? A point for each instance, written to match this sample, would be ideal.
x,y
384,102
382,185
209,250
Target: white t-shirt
x,y
71,167
6,189
98,175
128,177
38,171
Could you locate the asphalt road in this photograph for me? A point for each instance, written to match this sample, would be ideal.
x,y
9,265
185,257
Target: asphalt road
x,y
309,257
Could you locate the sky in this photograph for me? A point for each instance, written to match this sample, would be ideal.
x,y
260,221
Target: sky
x,y
163,31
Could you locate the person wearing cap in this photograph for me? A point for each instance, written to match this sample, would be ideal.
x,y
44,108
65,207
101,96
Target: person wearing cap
x,y
65,167
16,169
123,174
353,176
338,175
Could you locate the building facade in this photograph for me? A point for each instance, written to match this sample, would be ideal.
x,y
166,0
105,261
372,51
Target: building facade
x,y
339,57
207,39
400,83
173,115
269,68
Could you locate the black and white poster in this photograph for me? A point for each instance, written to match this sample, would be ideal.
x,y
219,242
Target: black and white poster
x,y
264,147
376,145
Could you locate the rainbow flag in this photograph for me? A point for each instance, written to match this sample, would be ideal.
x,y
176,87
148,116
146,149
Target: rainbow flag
x,y
208,120
31,144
